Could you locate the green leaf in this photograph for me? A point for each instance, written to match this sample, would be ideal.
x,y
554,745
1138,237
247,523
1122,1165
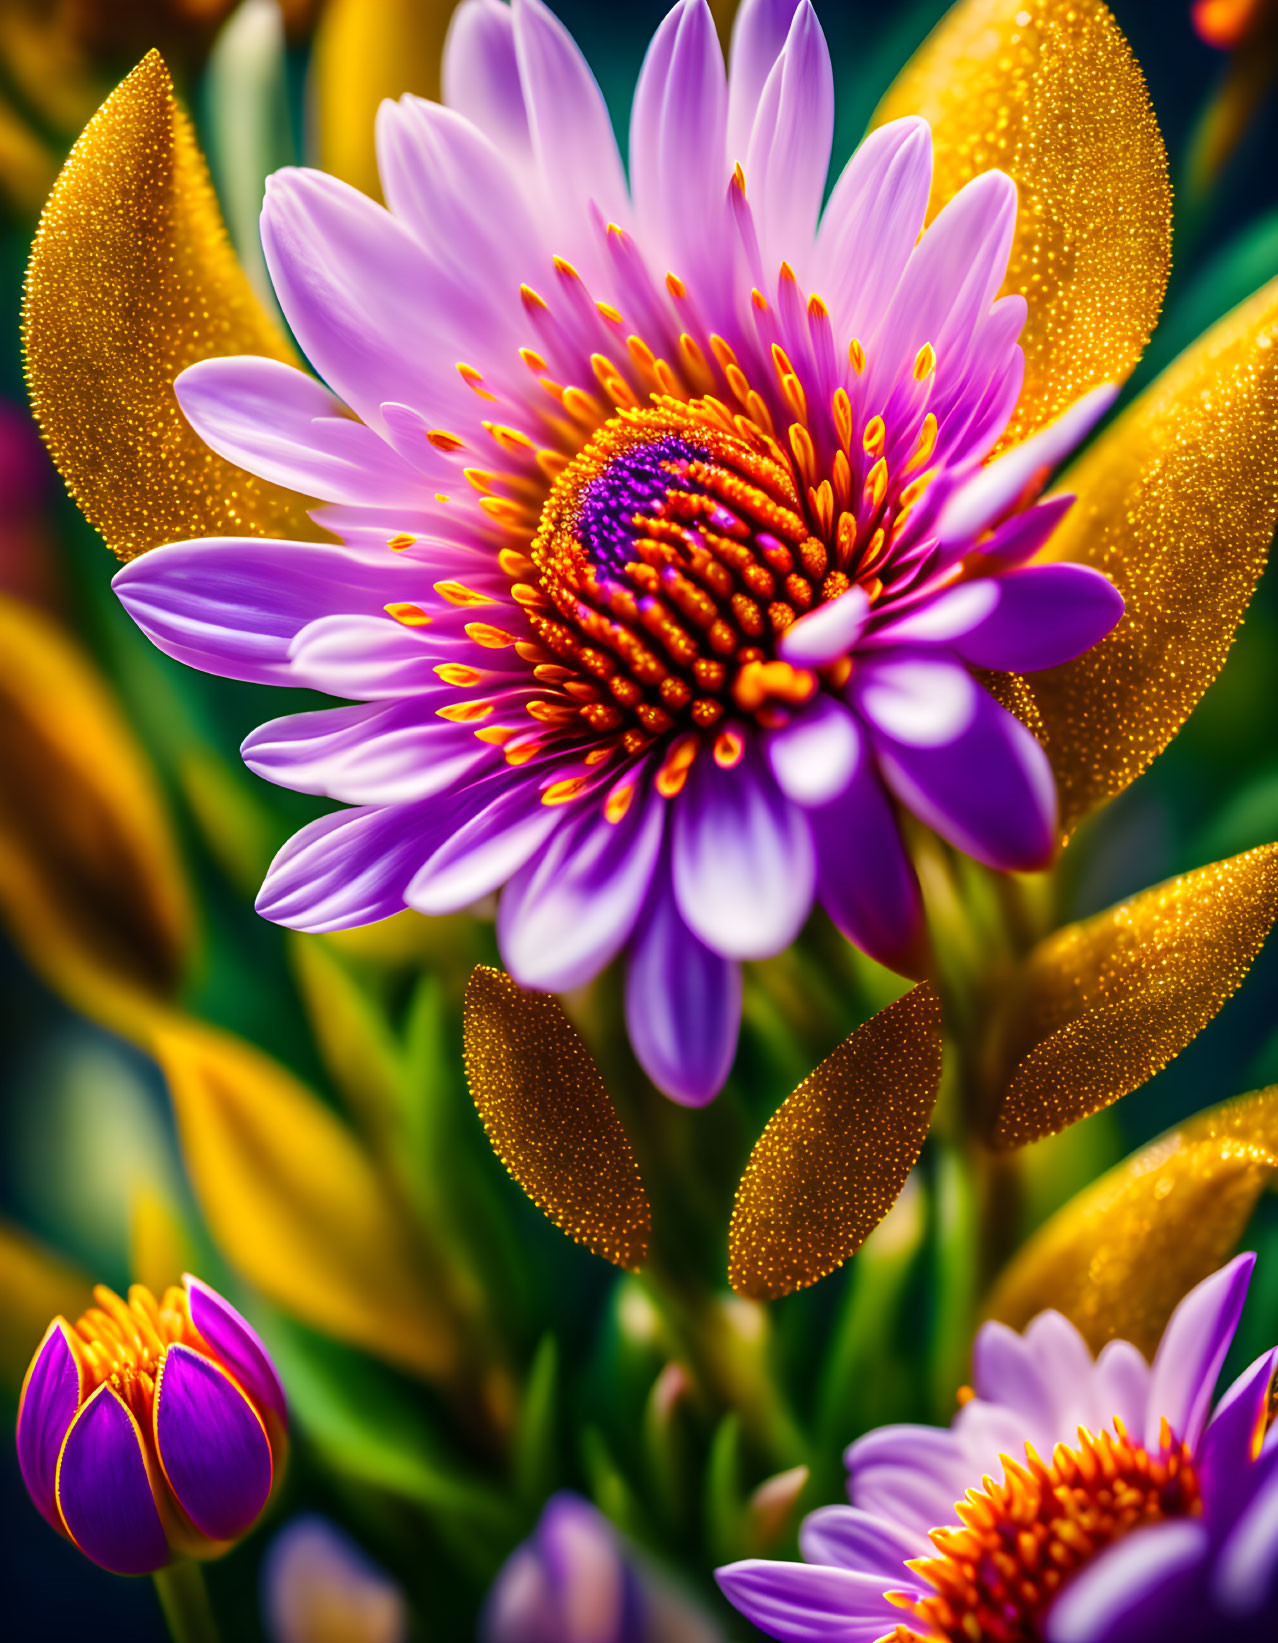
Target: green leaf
x,y
725,1504
536,1447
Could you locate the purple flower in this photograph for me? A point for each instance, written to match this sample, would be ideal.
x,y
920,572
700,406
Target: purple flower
x,y
573,1581
151,1430
317,1587
657,594
1134,1513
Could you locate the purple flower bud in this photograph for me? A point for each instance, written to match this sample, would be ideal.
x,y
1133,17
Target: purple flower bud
x,y
151,1430
575,1581
318,1585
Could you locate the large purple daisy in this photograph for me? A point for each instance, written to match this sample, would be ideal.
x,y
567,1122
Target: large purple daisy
x,y
669,555
1124,1511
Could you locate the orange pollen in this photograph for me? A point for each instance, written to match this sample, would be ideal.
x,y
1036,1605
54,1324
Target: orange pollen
x,y
1017,1540
124,1342
683,539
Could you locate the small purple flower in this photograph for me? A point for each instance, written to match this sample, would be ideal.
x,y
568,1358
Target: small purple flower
x,y
1134,1513
318,1587
668,556
150,1430
573,1581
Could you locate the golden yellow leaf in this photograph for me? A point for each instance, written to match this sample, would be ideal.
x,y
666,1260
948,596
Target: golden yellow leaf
x,y
91,886
550,1118
1118,1257
296,1206
1103,1005
1050,93
836,1153
1176,505
366,50
35,1286
131,279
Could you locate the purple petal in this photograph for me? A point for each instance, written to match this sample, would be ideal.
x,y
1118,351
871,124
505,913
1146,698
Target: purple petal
x,y
818,753
996,486
281,424
212,1445
497,826
233,605
377,753
915,698
943,618
1044,615
789,152
758,33
590,1585
1231,1443
1020,537
865,879
851,1539
350,868
909,1475
678,170
316,1584
104,1490
481,74
458,194
569,911
683,1004
871,223
828,632
948,285
236,1344
1122,1385
375,315
572,135
989,791
800,1603
1193,1348
1245,1578
742,862
46,1408
1138,1589
367,658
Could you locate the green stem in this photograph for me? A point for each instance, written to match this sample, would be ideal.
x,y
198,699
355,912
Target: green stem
x,y
185,1600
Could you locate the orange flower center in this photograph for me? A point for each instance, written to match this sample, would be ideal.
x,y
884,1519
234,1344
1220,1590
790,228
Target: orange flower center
x,y
1018,1540
124,1342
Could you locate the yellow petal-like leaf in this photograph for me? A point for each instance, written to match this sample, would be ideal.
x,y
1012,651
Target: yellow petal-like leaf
x,y
132,279
1051,94
91,887
1117,1258
836,1153
35,1286
367,50
550,1119
1176,505
295,1204
1103,1005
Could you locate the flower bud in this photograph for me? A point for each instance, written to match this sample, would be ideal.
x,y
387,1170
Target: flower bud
x,y
574,1580
318,1586
151,1430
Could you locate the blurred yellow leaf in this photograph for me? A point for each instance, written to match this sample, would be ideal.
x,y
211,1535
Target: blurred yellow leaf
x,y
1051,94
367,50
131,279
295,1204
359,1051
836,1153
1119,1257
1177,503
550,1118
1103,1005
160,1247
35,1286
91,886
